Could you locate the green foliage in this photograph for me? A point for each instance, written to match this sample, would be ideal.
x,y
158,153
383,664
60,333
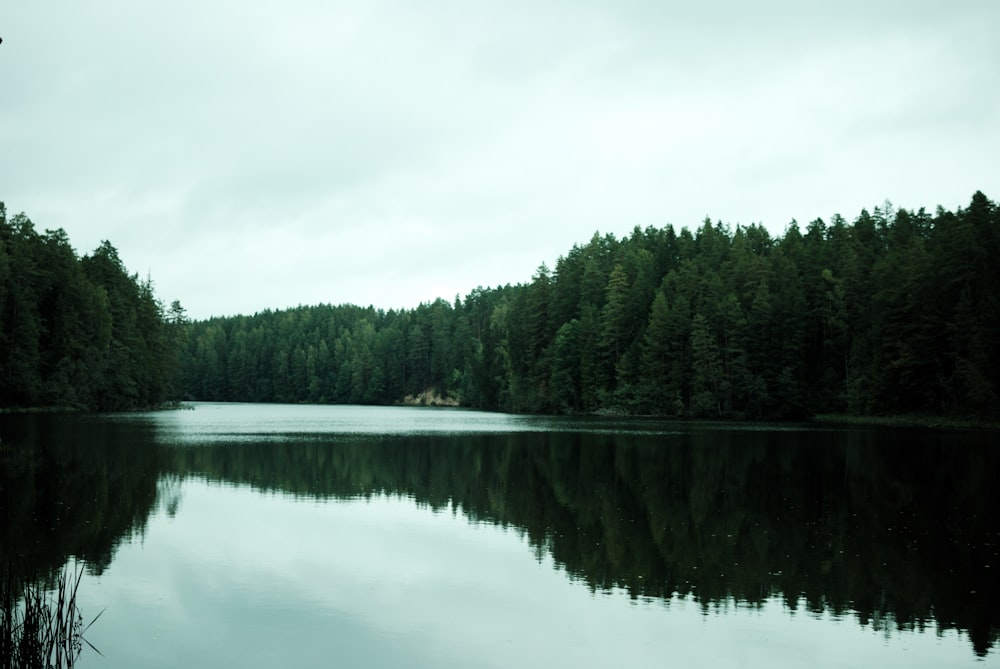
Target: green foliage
x,y
897,312
80,332
707,371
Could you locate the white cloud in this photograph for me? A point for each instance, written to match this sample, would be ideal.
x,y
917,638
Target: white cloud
x,y
384,152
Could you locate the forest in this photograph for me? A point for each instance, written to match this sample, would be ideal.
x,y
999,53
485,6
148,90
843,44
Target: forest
x,y
80,333
895,312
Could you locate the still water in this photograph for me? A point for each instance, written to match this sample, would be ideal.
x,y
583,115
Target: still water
x,y
265,535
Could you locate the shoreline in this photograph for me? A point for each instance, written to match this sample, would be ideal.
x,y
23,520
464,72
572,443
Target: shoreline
x,y
430,399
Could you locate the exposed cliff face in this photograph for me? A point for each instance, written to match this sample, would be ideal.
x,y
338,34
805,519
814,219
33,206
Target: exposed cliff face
x,y
429,398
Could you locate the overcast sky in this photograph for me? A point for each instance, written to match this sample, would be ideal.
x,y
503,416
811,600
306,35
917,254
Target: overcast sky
x,y
255,155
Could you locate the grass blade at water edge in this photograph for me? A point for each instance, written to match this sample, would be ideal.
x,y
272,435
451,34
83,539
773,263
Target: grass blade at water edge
x,y
39,627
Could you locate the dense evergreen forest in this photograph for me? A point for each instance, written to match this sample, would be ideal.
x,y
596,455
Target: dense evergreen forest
x,y
80,332
895,312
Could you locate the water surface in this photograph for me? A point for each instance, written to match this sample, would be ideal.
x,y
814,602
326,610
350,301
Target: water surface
x,y
264,535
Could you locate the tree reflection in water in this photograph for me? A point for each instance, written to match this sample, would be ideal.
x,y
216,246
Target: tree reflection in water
x,y
895,527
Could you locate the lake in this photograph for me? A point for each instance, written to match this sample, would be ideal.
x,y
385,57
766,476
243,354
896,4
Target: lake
x,y
237,535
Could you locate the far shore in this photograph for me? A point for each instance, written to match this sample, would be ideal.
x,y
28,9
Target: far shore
x,y
432,399
908,420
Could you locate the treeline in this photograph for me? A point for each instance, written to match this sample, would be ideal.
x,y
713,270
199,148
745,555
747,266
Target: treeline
x,y
80,332
894,312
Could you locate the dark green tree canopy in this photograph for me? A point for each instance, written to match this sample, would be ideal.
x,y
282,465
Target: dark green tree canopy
x,y
897,311
80,332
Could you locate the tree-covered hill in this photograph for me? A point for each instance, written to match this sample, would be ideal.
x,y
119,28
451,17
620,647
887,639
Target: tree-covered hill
x,y
80,332
897,311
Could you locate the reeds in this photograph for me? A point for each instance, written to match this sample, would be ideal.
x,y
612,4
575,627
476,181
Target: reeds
x,y
41,627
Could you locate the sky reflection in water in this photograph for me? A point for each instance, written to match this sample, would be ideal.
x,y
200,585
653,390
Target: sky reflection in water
x,y
250,535
250,579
